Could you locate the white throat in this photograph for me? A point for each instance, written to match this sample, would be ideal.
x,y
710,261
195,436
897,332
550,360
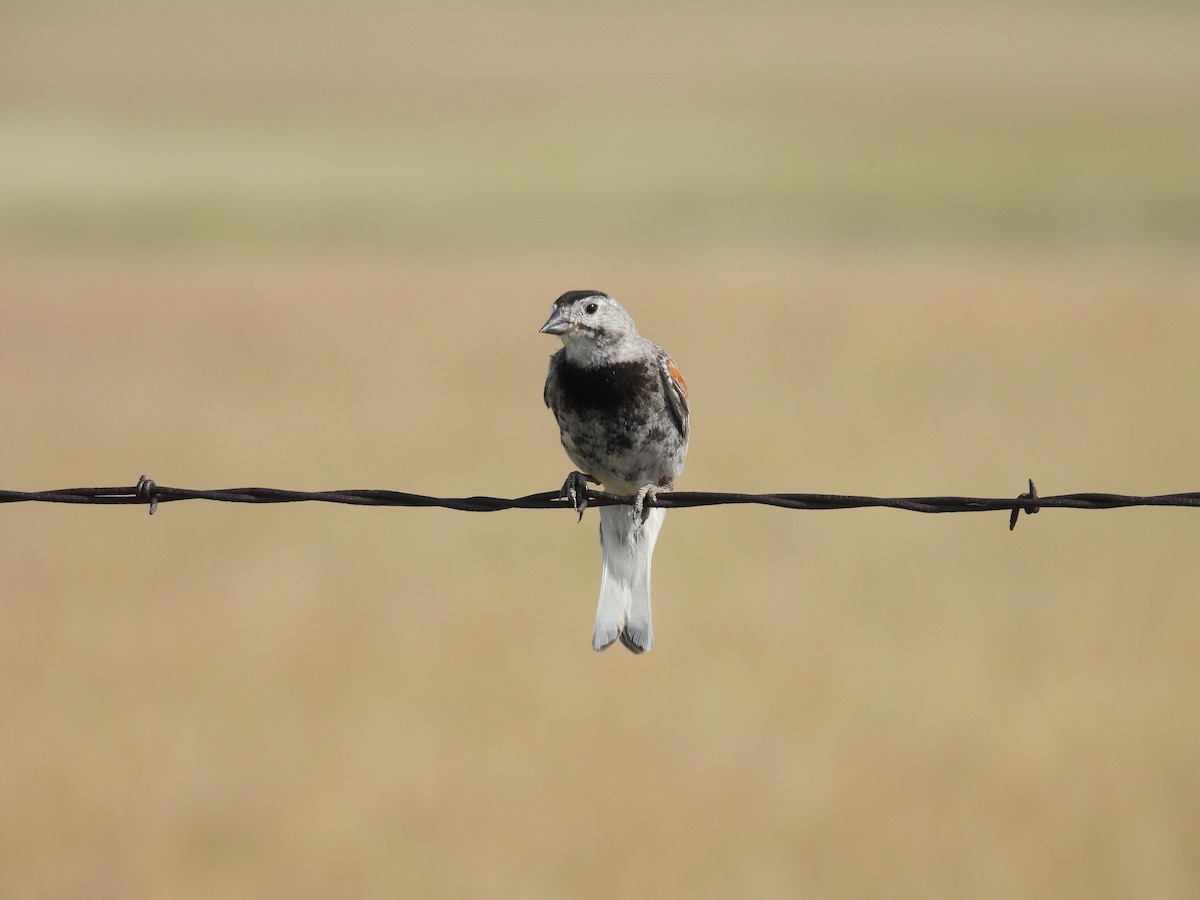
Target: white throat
x,y
588,351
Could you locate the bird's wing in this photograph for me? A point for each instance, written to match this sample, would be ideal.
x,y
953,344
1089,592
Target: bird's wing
x,y
676,393
551,379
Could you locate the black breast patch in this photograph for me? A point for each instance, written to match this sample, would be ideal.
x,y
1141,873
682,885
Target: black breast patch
x,y
605,389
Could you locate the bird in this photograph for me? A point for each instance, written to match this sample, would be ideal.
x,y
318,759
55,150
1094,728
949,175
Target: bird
x,y
623,416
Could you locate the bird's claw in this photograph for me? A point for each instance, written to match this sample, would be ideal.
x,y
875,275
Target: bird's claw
x,y
575,489
640,510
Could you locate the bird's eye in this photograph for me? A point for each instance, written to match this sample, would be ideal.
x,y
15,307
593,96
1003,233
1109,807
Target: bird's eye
x,y
591,308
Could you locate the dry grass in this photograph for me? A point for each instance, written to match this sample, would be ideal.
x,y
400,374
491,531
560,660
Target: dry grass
x,y
238,701
715,124
315,701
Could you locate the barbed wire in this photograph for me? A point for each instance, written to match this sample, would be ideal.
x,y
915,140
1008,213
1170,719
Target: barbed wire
x,y
147,492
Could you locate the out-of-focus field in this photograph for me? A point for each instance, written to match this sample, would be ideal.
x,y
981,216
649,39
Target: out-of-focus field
x,y
930,250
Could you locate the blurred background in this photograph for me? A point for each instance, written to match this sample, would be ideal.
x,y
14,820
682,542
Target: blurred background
x,y
930,248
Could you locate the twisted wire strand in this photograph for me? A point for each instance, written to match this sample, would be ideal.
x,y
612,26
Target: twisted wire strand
x,y
147,492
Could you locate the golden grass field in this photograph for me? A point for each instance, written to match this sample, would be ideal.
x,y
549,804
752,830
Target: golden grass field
x,y
935,250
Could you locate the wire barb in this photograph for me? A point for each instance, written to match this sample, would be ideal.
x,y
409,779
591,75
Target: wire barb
x,y
1030,508
146,491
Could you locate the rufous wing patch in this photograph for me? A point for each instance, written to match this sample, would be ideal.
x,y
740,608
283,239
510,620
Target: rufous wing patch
x,y
677,376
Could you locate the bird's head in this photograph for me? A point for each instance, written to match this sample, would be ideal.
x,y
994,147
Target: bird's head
x,y
591,324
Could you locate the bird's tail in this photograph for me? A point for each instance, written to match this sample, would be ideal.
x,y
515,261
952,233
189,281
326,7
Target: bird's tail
x,y
623,612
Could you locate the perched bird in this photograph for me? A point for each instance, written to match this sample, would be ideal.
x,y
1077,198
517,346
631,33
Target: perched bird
x,y
622,410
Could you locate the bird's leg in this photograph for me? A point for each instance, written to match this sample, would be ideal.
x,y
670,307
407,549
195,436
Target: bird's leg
x,y
640,510
575,489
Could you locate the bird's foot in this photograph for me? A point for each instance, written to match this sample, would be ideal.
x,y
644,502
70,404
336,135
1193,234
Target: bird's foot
x,y
575,489
640,510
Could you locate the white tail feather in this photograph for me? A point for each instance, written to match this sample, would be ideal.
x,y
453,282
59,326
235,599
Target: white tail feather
x,y
624,608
